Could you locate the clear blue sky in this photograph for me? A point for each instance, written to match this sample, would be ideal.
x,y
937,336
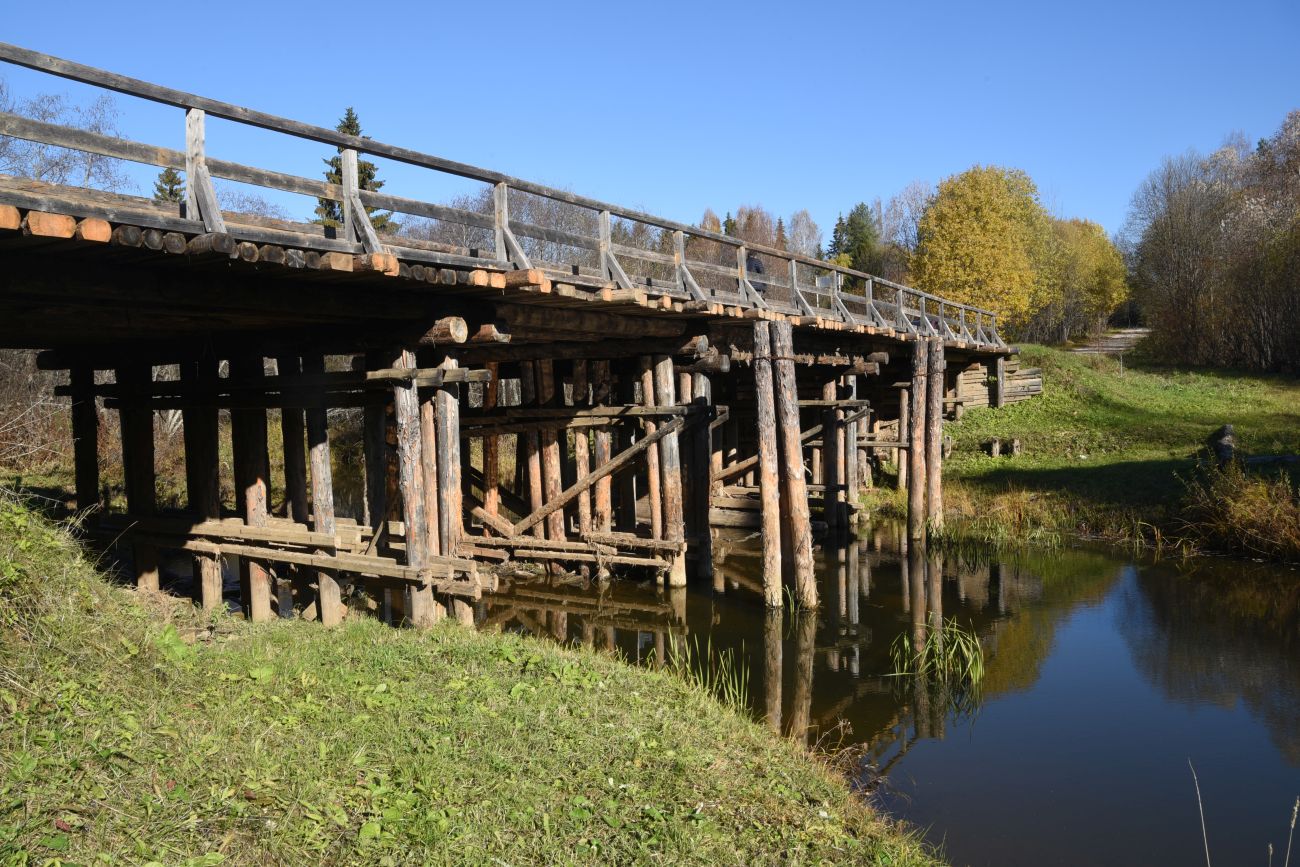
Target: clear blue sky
x,y
675,107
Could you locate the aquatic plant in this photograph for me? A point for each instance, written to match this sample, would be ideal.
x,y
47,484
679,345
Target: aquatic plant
x,y
950,654
720,673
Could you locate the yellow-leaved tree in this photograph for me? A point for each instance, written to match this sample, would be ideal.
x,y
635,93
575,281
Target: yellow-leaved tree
x,y
985,239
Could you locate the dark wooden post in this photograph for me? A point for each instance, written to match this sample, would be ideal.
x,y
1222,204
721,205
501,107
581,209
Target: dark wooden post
x,y
625,503
248,435
375,442
769,486
795,488
603,503
853,463
329,604
916,480
491,445
701,489
901,456
832,476
292,430
654,496
85,438
670,464
1000,382
203,471
136,418
934,437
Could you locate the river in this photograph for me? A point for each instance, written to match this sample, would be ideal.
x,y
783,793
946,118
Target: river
x,y
1105,676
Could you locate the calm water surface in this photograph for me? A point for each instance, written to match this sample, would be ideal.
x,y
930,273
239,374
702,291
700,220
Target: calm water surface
x,y
1105,675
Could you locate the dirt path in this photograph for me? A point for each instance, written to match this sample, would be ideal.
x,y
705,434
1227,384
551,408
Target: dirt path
x,y
1115,341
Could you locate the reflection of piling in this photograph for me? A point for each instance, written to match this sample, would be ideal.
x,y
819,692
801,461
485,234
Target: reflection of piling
x,y
934,572
772,668
805,631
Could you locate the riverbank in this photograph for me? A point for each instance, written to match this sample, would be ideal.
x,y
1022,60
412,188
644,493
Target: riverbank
x,y
1109,450
134,728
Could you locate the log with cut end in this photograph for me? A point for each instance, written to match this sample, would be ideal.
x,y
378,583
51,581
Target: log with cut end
x,y
448,329
271,254
128,236
152,239
43,225
213,243
247,252
10,218
173,243
93,230
384,263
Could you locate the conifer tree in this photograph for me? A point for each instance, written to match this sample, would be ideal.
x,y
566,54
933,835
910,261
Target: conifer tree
x,y
330,212
169,187
781,241
728,224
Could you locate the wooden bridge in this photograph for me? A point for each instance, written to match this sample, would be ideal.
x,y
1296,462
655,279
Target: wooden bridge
x,y
597,392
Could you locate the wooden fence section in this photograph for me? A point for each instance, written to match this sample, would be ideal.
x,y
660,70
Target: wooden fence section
x,y
676,269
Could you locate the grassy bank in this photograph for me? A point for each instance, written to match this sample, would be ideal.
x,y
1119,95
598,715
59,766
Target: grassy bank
x,y
1108,452
132,731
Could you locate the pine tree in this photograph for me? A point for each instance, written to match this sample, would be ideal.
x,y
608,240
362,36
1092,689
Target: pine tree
x,y
781,241
169,187
330,212
728,225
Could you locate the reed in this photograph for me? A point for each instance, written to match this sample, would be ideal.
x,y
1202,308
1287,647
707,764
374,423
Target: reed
x,y
951,654
720,673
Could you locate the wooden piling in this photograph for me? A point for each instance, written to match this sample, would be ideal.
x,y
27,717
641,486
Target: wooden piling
x,y
248,434
329,604
773,667
581,445
768,478
374,438
449,457
832,451
654,496
293,433
670,465
552,481
916,481
901,456
410,485
934,436
999,397
85,439
203,474
530,445
795,488
849,448
602,501
700,487
138,464
492,445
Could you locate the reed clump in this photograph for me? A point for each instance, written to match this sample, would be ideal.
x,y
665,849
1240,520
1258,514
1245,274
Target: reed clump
x,y
1235,510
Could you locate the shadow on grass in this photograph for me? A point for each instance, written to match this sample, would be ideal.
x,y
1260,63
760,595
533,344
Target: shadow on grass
x,y
1123,484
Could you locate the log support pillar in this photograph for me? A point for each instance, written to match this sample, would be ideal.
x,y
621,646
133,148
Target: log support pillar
x,y
203,475
671,477
252,471
797,554
916,479
934,436
701,488
85,438
329,602
138,463
768,471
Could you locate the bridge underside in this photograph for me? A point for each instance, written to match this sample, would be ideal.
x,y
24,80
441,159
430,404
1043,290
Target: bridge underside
x,y
356,423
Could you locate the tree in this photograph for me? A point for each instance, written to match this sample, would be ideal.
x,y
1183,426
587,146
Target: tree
x,y
728,225
782,242
984,239
330,212
169,187
858,239
63,166
805,235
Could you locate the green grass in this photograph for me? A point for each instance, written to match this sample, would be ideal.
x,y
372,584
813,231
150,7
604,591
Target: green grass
x,y
1105,451
132,730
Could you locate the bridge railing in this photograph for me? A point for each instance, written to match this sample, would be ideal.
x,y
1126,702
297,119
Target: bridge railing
x,y
611,243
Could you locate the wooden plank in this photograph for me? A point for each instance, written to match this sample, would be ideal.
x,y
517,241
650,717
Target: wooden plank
x,y
654,477
293,433
410,485
602,501
582,446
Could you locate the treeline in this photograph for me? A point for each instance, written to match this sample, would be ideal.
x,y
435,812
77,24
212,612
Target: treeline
x,y
1214,248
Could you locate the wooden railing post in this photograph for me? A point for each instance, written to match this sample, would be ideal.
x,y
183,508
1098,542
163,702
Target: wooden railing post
x,y
200,197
